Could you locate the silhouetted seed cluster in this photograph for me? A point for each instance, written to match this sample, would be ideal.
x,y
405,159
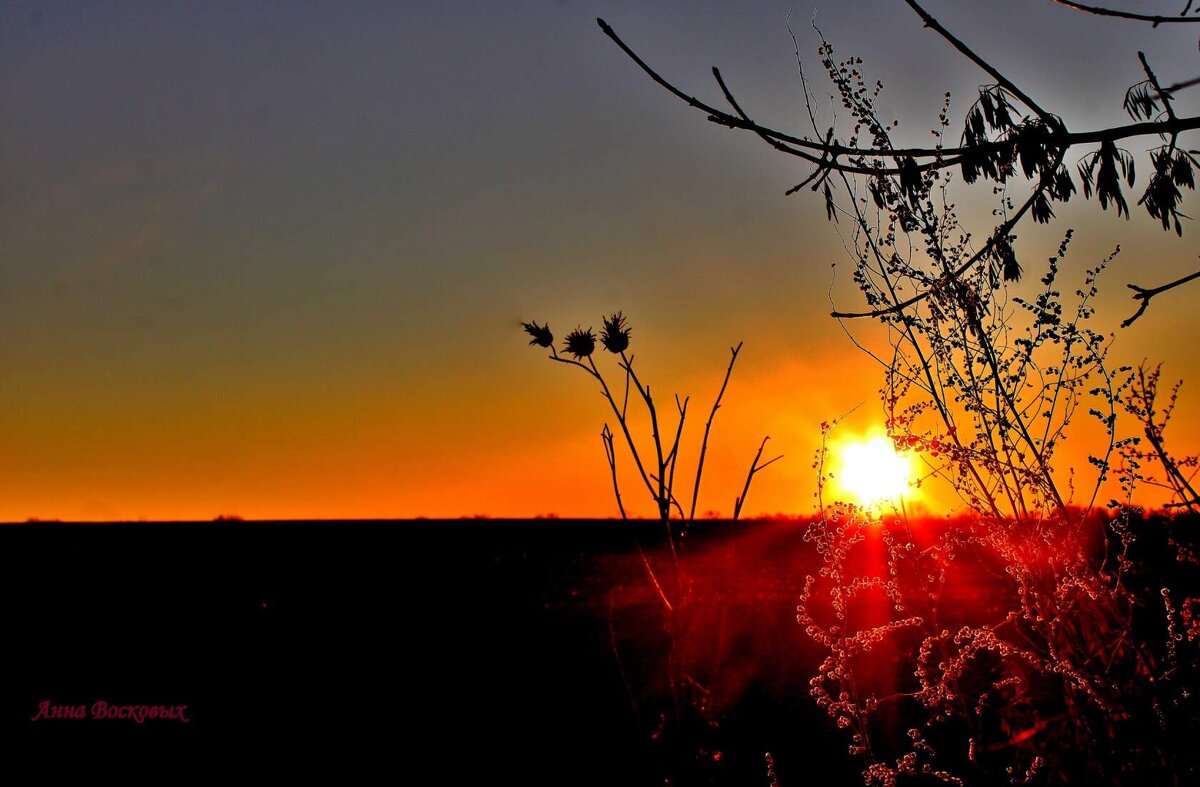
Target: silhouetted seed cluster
x,y
615,335
581,343
540,333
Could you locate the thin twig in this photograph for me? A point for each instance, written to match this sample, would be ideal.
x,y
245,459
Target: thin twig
x,y
967,52
1001,232
1162,95
610,453
591,369
1184,85
661,498
654,579
1154,19
733,352
673,456
926,364
1144,294
754,468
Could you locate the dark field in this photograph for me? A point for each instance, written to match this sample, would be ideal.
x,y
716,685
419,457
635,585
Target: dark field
x,y
479,650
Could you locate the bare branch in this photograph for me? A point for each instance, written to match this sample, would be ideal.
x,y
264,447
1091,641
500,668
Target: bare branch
x,y
1175,88
673,455
829,154
1144,294
754,468
610,453
591,369
1154,19
725,119
660,497
733,351
967,52
1163,96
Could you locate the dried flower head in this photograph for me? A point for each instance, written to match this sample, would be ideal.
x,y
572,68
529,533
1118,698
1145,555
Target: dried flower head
x,y
540,333
580,343
615,335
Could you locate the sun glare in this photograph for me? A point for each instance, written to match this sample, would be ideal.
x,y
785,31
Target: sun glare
x,y
873,472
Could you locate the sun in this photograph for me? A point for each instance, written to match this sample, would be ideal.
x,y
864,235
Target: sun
x,y
873,472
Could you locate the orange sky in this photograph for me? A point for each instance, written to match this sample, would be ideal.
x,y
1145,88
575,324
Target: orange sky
x,y
275,265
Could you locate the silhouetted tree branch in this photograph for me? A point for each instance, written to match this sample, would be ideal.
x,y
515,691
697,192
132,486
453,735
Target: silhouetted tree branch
x,y
1144,294
1005,132
1175,88
967,52
1154,19
829,154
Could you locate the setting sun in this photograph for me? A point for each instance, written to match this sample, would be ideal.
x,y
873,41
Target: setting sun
x,y
873,472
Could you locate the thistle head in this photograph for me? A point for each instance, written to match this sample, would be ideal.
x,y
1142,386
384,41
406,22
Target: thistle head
x,y
540,333
615,335
580,343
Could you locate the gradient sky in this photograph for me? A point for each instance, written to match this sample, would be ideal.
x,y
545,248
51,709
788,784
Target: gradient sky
x,y
271,259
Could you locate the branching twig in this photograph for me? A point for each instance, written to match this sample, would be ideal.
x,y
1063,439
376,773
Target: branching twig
x,y
591,369
610,453
1141,403
733,353
1184,85
1144,294
754,468
673,454
1154,19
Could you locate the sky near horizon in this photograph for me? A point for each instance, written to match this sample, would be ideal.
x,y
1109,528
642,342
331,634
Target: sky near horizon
x,y
272,260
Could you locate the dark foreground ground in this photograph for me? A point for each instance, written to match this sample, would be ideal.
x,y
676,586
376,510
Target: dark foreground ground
x,y
479,650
